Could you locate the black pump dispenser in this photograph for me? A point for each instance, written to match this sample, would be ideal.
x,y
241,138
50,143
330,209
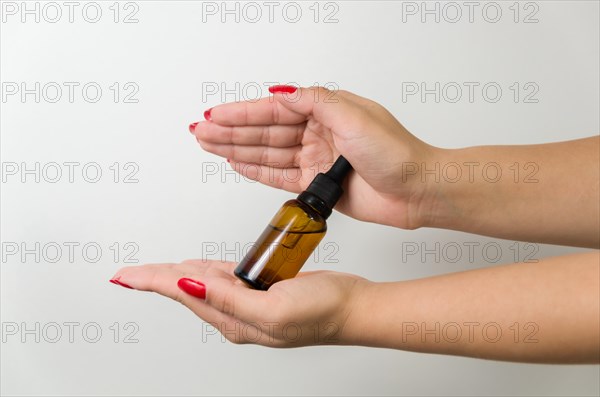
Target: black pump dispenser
x,y
326,189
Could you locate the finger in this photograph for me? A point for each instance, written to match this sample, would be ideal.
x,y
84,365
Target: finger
x,y
339,111
159,278
197,266
289,178
163,279
265,111
263,135
275,157
223,292
230,297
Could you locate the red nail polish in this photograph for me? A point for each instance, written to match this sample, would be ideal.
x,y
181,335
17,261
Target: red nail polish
x,y
288,89
117,282
193,127
229,160
207,115
192,287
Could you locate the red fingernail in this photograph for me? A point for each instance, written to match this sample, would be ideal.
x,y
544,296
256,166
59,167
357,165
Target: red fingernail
x,y
229,160
207,115
193,127
122,284
288,89
192,287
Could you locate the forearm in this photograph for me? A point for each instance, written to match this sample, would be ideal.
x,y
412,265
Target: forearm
x,y
541,312
546,193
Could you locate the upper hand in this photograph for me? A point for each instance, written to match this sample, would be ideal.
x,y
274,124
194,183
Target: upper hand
x,y
289,138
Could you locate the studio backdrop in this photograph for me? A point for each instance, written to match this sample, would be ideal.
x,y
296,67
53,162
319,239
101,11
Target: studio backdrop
x,y
99,171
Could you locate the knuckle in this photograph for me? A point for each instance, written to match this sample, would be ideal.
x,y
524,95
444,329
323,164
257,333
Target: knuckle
x,y
203,144
233,152
275,113
277,179
245,112
226,304
319,92
264,156
266,135
300,133
235,135
235,339
179,296
201,131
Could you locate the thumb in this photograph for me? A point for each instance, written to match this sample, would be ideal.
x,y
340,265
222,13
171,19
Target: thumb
x,y
337,110
229,297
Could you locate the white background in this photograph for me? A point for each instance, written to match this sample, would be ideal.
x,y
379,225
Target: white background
x,y
178,208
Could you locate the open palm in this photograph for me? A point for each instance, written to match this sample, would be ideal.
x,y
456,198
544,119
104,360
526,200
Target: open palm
x,y
313,308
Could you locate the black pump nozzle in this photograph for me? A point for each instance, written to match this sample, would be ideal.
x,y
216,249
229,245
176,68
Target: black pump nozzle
x,y
339,170
326,189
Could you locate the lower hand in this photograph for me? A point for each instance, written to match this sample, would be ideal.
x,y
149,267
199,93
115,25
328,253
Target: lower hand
x,y
314,308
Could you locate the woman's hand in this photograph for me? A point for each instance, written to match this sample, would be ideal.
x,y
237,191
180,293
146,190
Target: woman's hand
x,y
285,140
313,308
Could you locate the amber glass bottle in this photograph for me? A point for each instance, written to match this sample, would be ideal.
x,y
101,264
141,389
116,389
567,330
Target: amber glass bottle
x,y
294,232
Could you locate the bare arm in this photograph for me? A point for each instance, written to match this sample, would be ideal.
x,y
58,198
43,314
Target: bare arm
x,y
546,312
546,193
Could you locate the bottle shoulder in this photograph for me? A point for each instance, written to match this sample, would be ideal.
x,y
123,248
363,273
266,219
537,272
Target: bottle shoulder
x,y
296,216
310,212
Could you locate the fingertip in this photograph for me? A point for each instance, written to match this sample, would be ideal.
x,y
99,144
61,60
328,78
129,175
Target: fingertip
x,y
121,283
139,277
192,128
208,114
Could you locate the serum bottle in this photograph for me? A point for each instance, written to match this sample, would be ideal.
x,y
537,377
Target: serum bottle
x,y
294,232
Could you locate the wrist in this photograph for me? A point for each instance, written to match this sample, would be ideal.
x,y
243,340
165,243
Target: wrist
x,y
430,201
359,327
457,189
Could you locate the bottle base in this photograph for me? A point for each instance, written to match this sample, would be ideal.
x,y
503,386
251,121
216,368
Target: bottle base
x,y
248,281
